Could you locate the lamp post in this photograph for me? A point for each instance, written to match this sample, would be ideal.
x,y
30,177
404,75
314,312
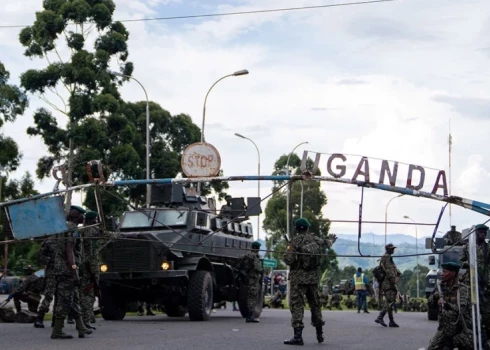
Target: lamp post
x,y
147,134
258,182
386,214
416,250
287,197
235,74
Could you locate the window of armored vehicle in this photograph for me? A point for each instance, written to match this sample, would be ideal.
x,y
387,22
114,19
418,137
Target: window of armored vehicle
x,y
452,255
132,219
170,217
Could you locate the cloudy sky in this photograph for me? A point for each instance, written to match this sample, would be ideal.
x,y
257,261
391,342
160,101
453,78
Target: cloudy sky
x,y
379,80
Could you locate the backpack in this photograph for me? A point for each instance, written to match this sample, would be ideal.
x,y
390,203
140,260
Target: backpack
x,y
379,273
310,250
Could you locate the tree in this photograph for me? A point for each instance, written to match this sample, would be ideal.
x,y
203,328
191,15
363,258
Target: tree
x,y
314,199
89,89
13,103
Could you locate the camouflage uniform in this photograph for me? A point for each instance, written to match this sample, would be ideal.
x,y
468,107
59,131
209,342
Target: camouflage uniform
x,y
46,258
253,269
66,282
388,286
483,261
28,293
90,257
304,282
335,301
455,322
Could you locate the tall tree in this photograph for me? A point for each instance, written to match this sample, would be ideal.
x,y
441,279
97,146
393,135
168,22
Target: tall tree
x,y
314,199
74,75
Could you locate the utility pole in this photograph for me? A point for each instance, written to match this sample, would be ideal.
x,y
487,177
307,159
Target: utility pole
x,y
6,246
450,142
70,174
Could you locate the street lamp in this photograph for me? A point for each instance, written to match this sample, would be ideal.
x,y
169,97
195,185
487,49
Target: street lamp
x,y
386,214
258,182
147,133
287,197
236,74
416,249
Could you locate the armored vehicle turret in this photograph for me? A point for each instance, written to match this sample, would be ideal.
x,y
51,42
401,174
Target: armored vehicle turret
x,y
178,254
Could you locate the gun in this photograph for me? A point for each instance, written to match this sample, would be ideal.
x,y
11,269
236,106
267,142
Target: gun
x,y
93,281
439,290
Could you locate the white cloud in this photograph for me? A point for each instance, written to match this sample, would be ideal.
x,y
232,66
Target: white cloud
x,y
375,80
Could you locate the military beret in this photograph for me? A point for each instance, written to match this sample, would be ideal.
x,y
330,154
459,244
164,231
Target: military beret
x,y
481,227
451,266
91,215
77,208
256,245
302,222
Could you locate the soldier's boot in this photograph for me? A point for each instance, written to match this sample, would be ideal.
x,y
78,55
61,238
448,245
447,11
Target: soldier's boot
x,y
39,320
82,330
319,334
70,319
392,320
88,325
380,319
251,318
297,339
58,330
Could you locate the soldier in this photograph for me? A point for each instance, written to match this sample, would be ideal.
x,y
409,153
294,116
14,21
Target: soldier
x,y
276,300
452,237
304,277
46,257
324,299
482,257
66,272
455,321
89,269
226,209
252,270
349,303
28,292
335,300
388,286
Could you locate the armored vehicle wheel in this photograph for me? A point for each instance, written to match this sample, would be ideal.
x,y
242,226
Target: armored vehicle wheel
x,y
432,313
200,296
112,309
242,301
175,310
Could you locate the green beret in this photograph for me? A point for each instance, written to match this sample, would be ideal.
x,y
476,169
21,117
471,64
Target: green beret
x,y
302,222
256,245
481,227
451,266
77,208
91,215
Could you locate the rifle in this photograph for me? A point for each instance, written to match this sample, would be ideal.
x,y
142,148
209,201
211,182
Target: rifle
x,y
439,290
93,281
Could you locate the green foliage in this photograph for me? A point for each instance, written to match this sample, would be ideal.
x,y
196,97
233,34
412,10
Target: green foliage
x,y
275,221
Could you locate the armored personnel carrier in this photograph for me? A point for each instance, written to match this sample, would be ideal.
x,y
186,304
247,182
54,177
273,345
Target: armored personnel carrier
x,y
178,254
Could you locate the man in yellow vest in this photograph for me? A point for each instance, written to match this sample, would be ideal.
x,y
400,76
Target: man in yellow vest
x,y
360,283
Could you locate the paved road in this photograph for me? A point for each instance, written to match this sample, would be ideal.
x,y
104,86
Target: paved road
x,y
344,330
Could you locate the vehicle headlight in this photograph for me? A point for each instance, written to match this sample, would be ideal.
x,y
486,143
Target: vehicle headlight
x,y
432,280
165,265
103,268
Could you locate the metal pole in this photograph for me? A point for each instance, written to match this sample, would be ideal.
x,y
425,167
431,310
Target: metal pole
x,y
289,188
258,182
6,246
386,215
301,204
416,251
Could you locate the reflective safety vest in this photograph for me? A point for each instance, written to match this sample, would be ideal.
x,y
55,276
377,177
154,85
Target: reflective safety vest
x,y
359,282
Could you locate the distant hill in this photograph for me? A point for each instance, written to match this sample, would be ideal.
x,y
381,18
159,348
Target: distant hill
x,y
346,244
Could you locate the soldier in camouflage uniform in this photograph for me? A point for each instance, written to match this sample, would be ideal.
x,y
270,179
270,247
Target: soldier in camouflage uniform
x,y
455,321
27,292
324,299
388,286
46,257
251,266
335,300
349,303
304,277
483,260
66,275
89,269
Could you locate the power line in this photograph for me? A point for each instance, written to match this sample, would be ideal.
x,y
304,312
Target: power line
x,y
237,13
